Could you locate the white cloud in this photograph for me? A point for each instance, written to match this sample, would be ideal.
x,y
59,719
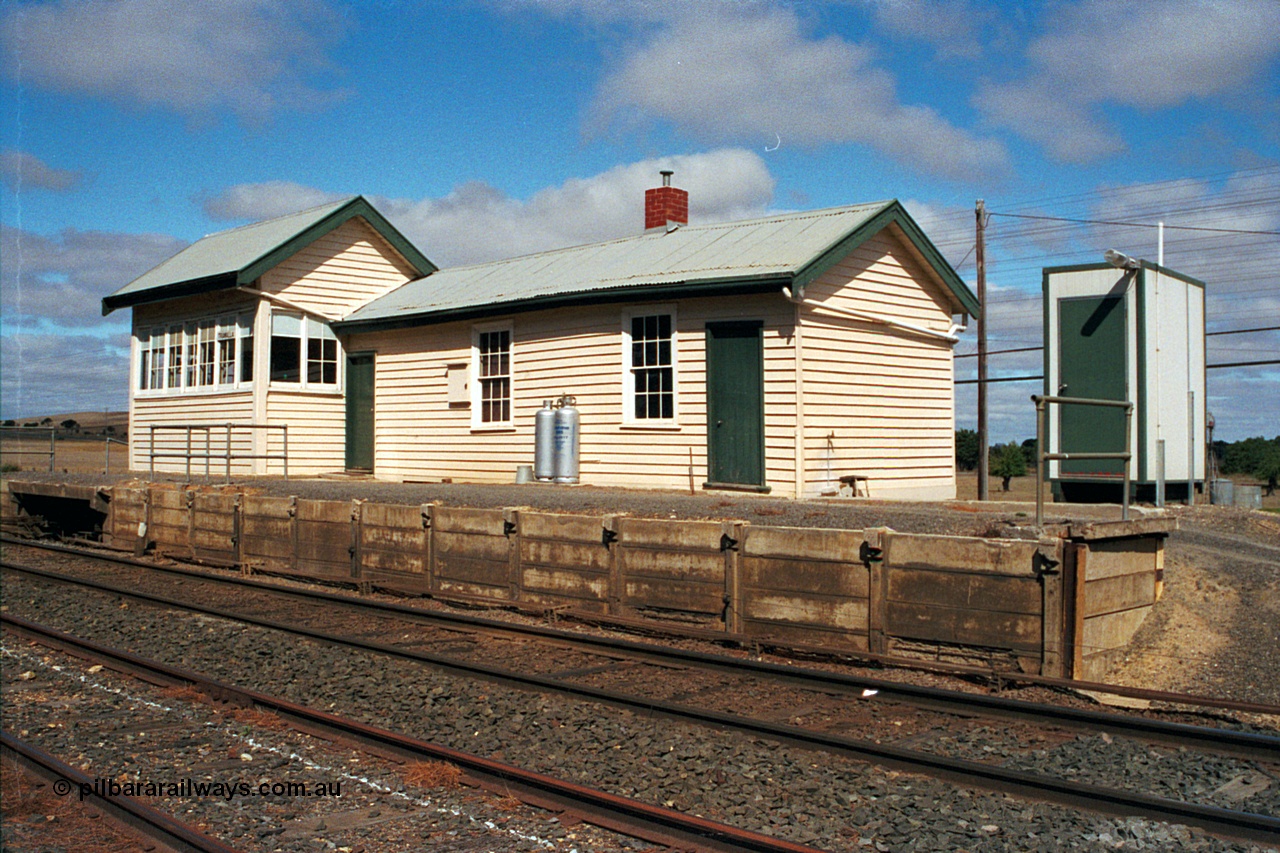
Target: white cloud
x,y
954,27
477,222
47,373
735,74
1130,53
1066,128
1152,55
251,57
266,200
21,171
61,280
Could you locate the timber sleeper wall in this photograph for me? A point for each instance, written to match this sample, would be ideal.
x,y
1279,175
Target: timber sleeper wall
x,y
1056,606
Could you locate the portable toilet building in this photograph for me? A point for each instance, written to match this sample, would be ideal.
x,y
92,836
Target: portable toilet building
x,y
1125,330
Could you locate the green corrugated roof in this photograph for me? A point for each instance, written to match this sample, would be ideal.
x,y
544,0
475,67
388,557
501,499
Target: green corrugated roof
x,y
238,256
791,249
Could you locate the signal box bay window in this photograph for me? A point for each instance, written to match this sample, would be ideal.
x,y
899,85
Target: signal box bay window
x,y
209,354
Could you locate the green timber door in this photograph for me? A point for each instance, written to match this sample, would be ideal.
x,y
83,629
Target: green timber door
x,y
1091,363
360,411
735,404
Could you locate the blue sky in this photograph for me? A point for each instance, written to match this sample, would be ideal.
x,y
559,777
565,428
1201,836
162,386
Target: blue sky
x,y
488,129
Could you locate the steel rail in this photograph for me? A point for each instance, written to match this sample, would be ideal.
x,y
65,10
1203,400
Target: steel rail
x,y
622,623
155,825
1224,741
624,815
988,777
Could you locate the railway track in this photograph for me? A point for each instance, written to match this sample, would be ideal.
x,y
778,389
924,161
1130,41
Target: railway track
x,y
656,825
151,824
1253,747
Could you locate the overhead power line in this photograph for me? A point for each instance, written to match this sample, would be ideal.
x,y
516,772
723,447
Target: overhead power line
x,y
1134,224
1242,331
1002,351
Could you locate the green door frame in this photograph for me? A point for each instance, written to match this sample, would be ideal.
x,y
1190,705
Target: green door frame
x,y
735,405
359,399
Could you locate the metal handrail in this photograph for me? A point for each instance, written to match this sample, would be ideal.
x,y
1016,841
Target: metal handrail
x,y
53,443
106,465
1042,456
209,454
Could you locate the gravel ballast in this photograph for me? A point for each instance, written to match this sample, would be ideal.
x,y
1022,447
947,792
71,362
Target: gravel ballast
x,y
803,796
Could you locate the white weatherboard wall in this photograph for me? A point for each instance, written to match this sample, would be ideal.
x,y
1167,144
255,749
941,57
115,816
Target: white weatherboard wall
x,y
418,434
879,401
331,277
166,408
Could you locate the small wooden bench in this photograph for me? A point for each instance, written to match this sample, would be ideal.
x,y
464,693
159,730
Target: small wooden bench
x,y
850,483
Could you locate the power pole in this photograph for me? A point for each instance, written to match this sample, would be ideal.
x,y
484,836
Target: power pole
x,y
980,256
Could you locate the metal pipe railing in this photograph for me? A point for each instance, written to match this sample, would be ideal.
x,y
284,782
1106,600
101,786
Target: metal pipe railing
x,y
209,454
106,466
1042,402
53,442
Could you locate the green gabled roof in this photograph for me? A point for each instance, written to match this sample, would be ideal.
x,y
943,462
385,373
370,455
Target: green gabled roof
x,y
789,249
240,255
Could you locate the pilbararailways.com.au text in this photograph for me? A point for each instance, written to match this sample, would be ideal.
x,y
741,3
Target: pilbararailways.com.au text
x,y
189,787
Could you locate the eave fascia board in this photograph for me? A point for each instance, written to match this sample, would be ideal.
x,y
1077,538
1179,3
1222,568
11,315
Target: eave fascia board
x,y
191,287
650,293
893,213
357,207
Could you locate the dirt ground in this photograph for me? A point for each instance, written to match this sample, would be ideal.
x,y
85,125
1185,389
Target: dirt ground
x,y
70,455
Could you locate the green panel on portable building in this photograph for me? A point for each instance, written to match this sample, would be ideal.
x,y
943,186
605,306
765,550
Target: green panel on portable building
x,y
1091,336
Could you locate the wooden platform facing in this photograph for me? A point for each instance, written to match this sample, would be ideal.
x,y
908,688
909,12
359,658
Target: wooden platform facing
x,y
1059,601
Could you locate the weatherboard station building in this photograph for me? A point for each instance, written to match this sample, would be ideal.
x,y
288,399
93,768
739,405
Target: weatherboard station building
x,y
774,354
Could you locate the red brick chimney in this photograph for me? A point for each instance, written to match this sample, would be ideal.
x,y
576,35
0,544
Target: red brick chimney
x,y
666,206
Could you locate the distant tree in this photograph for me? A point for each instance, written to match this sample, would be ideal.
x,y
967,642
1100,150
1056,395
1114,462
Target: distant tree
x,y
966,449
70,424
1244,457
109,429
10,422
1007,461
1269,468
1029,451
46,422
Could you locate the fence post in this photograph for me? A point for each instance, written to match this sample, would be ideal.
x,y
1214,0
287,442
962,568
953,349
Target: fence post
x,y
53,439
151,474
285,430
228,453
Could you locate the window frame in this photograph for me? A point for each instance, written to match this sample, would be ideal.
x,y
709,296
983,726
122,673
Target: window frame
x,y
477,380
629,419
306,322
190,339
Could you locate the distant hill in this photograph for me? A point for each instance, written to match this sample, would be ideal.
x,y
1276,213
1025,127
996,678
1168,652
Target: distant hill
x,y
89,421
